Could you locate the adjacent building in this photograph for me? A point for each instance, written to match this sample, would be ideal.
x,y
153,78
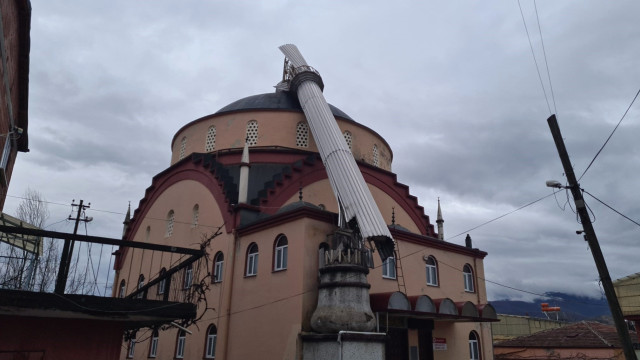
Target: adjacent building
x,y
583,340
15,25
251,172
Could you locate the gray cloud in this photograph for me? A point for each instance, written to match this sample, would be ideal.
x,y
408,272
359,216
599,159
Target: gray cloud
x,y
452,88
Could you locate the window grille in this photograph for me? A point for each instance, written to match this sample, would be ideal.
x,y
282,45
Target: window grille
x,y
183,147
210,142
376,160
302,135
348,138
252,133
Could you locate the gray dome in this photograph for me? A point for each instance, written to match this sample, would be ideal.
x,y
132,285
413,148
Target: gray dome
x,y
298,205
279,100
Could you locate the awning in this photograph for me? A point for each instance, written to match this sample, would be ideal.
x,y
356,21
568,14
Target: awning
x,y
423,307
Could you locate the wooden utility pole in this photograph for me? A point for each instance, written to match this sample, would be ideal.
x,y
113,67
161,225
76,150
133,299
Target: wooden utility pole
x,y
67,251
592,240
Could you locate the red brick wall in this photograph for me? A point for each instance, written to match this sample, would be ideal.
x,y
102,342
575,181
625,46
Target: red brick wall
x,y
60,339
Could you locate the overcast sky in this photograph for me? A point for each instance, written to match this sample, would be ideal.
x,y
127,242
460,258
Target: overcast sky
x,y
452,86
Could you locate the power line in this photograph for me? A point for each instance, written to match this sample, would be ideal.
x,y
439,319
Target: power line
x,y
544,52
546,98
503,215
614,210
610,135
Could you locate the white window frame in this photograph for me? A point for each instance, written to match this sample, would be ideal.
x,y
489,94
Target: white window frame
x,y
474,347
153,348
281,253
389,268
123,289
468,278
132,348
163,283
218,268
252,261
140,285
180,344
432,272
210,346
188,277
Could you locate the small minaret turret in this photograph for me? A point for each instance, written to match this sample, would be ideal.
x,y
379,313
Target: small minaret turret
x,y
440,223
127,220
243,184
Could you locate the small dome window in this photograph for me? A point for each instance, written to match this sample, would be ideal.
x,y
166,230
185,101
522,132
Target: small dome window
x,y
302,135
252,133
348,138
183,147
210,142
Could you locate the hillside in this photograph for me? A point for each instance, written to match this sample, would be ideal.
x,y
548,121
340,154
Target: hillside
x,y
572,307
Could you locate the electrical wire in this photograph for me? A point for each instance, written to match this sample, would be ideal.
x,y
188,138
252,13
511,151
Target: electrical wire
x,y
610,135
544,52
611,208
503,215
546,98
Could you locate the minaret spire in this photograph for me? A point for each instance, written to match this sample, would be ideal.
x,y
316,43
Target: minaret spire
x,y
440,222
127,220
243,184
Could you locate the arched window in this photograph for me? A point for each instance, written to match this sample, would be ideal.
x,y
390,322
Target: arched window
x,y
432,271
183,147
348,138
195,215
252,260
123,288
153,346
218,264
180,342
162,285
252,132
302,134
132,348
467,272
147,233
376,160
188,276
170,219
210,343
210,142
280,256
140,285
389,268
474,347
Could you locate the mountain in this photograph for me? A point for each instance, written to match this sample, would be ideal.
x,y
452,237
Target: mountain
x,y
572,307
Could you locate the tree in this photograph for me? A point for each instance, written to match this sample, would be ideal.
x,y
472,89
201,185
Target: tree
x,y
34,210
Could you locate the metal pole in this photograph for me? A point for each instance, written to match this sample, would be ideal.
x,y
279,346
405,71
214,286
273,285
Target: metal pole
x,y
592,240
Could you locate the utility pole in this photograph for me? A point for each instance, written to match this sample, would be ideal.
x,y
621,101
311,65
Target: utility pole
x,y
67,249
592,240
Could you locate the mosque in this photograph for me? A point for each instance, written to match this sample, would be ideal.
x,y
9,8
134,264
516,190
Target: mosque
x,y
253,172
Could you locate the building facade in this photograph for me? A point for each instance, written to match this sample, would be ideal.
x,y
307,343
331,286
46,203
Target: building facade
x,y
15,25
261,283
